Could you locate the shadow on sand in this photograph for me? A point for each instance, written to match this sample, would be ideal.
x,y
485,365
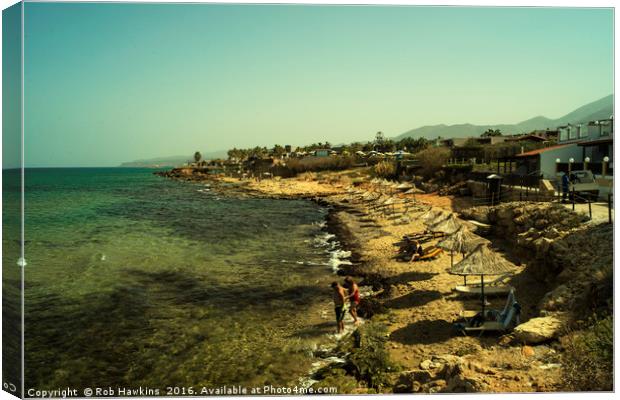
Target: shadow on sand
x,y
424,332
411,276
414,299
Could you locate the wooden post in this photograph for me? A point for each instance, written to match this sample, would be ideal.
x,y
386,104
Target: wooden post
x,y
573,198
609,206
589,207
482,294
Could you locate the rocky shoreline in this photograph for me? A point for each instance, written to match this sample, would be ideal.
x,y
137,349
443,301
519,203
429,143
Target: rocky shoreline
x,y
416,303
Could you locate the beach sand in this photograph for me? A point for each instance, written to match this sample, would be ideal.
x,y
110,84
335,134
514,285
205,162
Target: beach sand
x,y
418,296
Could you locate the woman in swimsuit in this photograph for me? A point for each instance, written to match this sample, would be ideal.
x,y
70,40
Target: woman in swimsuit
x,y
354,297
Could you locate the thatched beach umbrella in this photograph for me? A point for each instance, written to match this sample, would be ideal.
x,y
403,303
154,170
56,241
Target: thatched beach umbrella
x,y
449,225
463,241
433,216
405,186
414,190
482,261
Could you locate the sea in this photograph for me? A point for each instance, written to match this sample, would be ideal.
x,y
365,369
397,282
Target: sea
x,y
133,280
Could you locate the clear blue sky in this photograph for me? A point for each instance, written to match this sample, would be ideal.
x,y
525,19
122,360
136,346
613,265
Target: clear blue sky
x,y
107,83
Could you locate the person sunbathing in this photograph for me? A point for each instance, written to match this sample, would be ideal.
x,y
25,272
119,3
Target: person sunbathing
x,y
418,251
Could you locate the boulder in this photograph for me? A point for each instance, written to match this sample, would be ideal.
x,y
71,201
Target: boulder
x,y
426,364
504,215
557,299
480,214
412,381
528,351
541,329
541,223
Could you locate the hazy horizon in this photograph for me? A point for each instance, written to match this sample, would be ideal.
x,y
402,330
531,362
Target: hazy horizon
x,y
111,83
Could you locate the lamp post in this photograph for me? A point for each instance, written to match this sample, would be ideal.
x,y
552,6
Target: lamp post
x,y
605,162
557,165
586,161
570,164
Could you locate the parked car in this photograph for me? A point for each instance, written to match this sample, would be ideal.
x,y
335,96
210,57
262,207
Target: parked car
x,y
583,184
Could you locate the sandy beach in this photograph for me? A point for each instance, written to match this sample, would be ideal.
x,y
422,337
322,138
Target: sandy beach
x,y
417,301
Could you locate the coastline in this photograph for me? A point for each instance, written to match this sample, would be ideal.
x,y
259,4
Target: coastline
x,y
416,303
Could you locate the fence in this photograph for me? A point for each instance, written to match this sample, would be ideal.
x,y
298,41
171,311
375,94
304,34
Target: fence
x,y
531,181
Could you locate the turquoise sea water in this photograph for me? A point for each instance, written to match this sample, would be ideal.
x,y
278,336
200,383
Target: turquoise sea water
x,y
136,280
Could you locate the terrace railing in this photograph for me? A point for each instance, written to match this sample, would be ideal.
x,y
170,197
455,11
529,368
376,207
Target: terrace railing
x,y
531,180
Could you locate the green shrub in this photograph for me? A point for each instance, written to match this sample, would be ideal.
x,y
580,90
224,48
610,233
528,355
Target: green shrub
x,y
335,377
432,160
588,357
385,169
369,357
315,164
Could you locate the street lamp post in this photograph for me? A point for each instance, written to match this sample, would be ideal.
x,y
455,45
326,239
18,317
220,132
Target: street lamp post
x,y
570,164
605,164
586,161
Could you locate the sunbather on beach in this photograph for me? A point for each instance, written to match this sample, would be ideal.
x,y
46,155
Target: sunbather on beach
x,y
418,251
339,299
354,297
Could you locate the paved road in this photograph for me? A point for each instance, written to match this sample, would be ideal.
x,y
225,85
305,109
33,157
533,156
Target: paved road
x,y
599,211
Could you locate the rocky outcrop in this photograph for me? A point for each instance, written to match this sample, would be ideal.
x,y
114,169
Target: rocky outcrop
x,y
541,329
444,373
574,257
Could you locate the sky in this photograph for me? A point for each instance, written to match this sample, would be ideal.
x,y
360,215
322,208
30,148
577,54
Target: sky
x,y
109,83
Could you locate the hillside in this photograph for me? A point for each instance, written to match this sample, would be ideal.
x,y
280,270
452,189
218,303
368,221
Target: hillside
x,y
598,109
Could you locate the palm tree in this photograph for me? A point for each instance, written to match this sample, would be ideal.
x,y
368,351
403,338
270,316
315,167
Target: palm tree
x,y
197,157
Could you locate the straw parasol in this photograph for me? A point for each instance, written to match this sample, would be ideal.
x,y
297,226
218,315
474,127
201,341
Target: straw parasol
x,y
482,261
414,190
449,225
433,216
405,186
463,241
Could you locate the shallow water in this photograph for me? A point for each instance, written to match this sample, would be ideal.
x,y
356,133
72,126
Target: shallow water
x,y
136,280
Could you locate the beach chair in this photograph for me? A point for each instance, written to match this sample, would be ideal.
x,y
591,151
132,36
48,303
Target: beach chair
x,y
429,254
494,321
495,282
488,291
422,236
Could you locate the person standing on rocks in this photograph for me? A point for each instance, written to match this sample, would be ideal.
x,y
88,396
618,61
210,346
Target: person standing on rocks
x,y
339,299
354,297
565,183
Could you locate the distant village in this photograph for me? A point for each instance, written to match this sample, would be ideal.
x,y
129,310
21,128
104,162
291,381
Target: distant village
x,y
540,153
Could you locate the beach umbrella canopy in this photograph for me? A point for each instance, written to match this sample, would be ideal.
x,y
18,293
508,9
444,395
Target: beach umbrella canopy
x,y
449,225
433,216
405,186
415,190
482,261
462,241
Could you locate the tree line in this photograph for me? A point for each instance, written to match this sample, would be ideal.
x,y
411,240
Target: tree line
x,y
380,144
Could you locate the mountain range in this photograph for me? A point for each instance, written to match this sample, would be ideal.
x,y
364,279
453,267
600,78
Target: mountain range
x,y
599,109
